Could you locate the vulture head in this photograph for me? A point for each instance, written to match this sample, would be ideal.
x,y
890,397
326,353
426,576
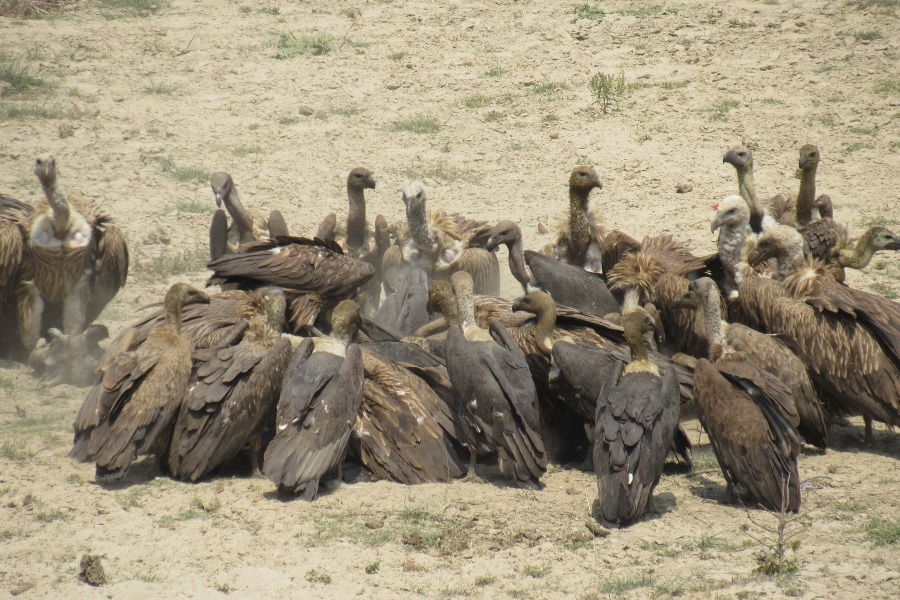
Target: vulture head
x,y
179,296
361,178
825,207
880,238
638,322
809,157
583,180
781,243
414,197
45,167
345,321
536,303
731,212
698,290
504,232
221,184
740,158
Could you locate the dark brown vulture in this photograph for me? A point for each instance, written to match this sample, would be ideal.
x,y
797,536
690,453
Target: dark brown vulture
x,y
246,226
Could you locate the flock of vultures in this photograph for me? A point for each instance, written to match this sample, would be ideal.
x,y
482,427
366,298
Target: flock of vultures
x,y
388,345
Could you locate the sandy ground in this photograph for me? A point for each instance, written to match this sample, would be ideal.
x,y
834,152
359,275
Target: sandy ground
x,y
139,109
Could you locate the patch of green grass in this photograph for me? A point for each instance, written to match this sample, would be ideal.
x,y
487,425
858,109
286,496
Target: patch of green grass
x,y
495,72
397,56
417,124
549,87
719,111
643,12
190,514
117,9
826,69
769,565
65,130
494,115
131,499
159,88
145,576
12,111
49,516
884,290
195,207
346,111
373,568
864,130
536,571
166,265
19,75
608,90
661,549
207,506
856,146
772,101
477,101
886,5
828,121
867,35
586,11
11,534
888,86
288,120
316,576
182,174
14,452
739,24
703,458
674,85
485,580
244,151
455,592
620,585
316,43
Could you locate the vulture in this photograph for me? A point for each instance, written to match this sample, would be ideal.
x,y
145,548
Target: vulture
x,y
637,415
859,255
768,352
569,285
405,309
439,243
246,226
131,408
580,238
732,219
66,260
742,160
404,428
356,237
849,338
315,274
495,396
234,392
70,359
320,400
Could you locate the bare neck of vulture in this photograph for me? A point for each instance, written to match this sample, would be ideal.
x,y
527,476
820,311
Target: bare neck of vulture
x,y
732,240
517,265
634,337
632,298
746,186
806,197
356,216
579,228
238,212
417,218
859,256
789,261
56,198
712,318
543,328
173,312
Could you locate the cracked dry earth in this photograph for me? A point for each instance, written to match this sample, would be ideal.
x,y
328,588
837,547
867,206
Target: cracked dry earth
x,y
139,109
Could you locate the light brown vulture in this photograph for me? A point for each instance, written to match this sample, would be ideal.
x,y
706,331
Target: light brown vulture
x,y
246,226
580,238
637,415
131,408
234,392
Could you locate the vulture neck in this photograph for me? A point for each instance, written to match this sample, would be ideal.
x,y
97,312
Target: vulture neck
x,y
465,307
860,256
788,262
517,265
579,228
447,306
712,319
732,239
640,360
543,328
631,301
240,215
747,190
56,198
806,197
416,217
356,217
173,313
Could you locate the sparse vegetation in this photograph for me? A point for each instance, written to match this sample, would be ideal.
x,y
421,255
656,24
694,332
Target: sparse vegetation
x,y
182,174
317,576
620,585
719,111
117,9
883,532
493,116
739,24
644,11
477,101
397,56
166,265
288,120
444,172
608,90
20,76
49,516
867,35
372,568
884,290
14,452
549,87
194,206
316,43
888,86
65,130
485,580
495,72
536,571
346,111
244,151
856,146
417,124
586,11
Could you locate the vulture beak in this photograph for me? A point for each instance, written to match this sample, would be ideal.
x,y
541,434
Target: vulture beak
x,y
370,181
517,305
203,298
715,224
596,181
492,244
804,160
895,245
219,198
730,158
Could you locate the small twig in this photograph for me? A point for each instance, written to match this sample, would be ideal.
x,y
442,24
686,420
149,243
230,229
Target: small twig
x,y
344,37
186,49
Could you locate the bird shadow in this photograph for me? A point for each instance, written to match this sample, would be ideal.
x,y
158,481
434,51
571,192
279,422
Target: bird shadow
x,y
851,438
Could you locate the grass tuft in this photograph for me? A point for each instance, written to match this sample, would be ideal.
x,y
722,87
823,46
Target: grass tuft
x,y
586,11
867,35
168,264
182,174
417,124
316,576
720,110
117,9
883,532
888,86
620,585
316,43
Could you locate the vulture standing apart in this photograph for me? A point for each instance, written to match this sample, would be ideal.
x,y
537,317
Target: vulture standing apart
x,y
71,263
569,285
637,414
234,393
131,408
849,338
496,398
245,226
355,235
767,352
404,428
439,243
320,400
70,359
313,273
580,238
742,160
821,233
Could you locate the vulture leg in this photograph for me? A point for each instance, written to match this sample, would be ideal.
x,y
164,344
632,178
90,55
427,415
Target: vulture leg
x,y
31,312
75,307
870,435
277,224
730,496
218,235
471,475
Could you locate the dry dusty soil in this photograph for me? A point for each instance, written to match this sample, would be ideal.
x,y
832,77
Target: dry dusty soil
x,y
490,103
